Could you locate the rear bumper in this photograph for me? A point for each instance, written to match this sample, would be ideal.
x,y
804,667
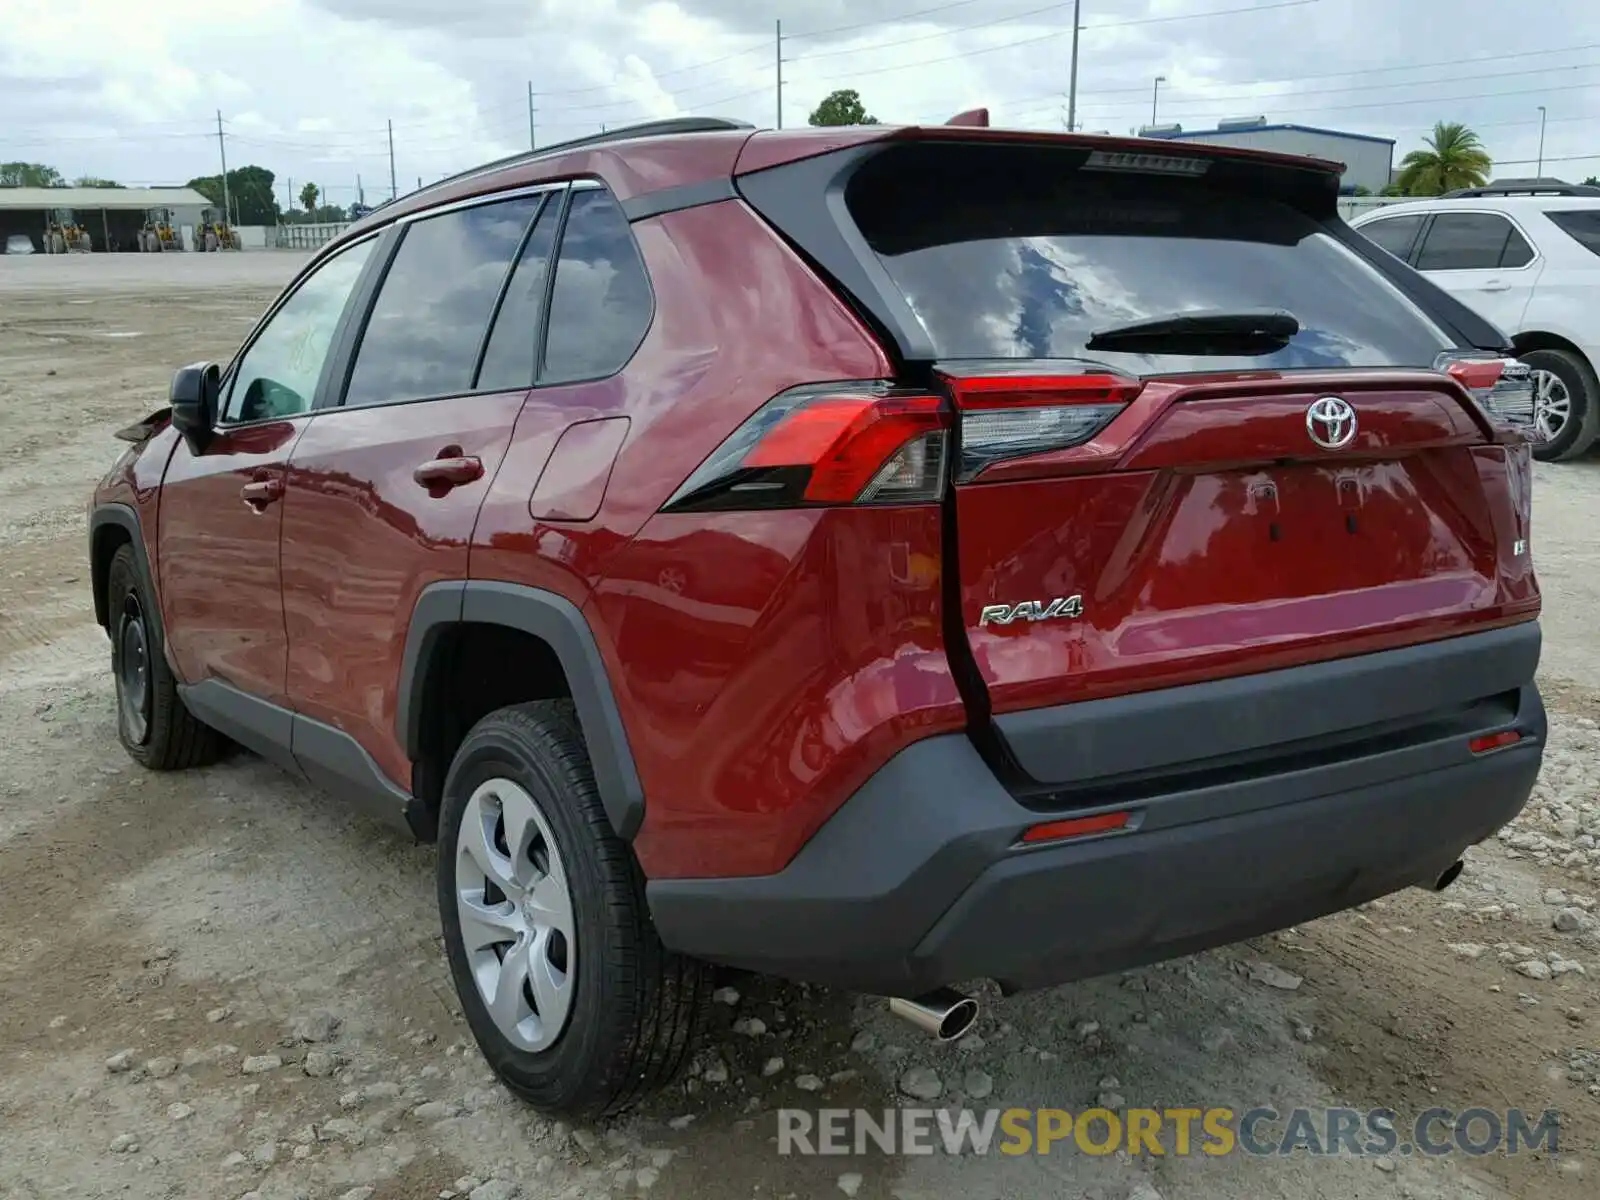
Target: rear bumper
x,y
919,879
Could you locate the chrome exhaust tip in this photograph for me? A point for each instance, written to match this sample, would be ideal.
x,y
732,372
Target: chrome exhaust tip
x,y
1451,874
944,1013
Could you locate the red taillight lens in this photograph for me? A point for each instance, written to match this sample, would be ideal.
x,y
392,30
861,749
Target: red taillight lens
x,y
845,444
1014,415
1503,386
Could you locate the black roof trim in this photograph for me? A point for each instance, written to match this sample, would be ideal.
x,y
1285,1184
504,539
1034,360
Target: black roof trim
x,y
1525,187
670,127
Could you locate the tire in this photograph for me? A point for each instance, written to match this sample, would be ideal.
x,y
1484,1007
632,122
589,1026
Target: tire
x,y
1575,379
152,723
620,1013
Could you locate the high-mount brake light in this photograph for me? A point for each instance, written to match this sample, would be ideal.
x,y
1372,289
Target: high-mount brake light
x,y
1149,164
836,444
1503,386
1014,415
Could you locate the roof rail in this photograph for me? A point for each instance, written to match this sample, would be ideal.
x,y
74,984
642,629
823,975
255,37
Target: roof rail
x,y
1525,187
664,128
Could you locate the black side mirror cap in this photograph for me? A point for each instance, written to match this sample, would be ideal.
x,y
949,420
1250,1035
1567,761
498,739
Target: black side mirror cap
x,y
194,403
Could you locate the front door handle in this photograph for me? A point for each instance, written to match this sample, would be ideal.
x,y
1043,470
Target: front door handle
x,y
262,493
449,470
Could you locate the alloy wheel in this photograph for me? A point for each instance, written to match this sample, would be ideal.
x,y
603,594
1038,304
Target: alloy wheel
x,y
1552,404
515,909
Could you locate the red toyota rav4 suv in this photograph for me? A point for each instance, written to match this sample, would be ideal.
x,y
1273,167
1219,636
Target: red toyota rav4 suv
x,y
883,557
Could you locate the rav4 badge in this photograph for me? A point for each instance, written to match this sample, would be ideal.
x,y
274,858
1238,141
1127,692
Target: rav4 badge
x,y
1031,610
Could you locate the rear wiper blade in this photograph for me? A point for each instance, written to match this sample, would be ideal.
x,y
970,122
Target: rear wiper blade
x,y
1246,331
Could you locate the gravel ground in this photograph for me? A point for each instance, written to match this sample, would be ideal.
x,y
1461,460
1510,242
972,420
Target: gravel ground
x,y
220,984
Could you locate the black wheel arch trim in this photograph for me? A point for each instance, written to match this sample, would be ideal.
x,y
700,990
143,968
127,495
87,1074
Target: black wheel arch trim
x,y
561,625
122,517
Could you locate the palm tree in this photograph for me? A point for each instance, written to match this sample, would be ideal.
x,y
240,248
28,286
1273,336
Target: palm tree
x,y
1455,158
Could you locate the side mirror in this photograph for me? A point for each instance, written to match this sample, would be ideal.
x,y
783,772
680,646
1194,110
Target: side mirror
x,y
194,403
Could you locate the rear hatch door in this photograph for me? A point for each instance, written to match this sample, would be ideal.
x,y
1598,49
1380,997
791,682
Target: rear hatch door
x,y
1287,478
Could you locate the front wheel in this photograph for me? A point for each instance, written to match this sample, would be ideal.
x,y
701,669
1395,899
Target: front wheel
x,y
152,723
569,993
1566,404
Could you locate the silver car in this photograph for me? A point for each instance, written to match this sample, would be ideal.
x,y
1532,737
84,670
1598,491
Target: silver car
x,y
19,243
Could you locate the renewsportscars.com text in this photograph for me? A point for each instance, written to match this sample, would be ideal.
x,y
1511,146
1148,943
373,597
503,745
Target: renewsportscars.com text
x,y
1179,1132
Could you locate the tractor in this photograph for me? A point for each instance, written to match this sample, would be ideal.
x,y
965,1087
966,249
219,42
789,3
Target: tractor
x,y
214,232
159,233
63,234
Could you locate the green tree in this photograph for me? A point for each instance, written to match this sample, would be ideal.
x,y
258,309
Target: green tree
x,y
1592,181
26,174
308,197
1455,158
94,181
842,107
249,192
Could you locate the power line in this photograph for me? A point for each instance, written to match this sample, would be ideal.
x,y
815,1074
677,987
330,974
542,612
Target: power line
x,y
1251,97
1029,41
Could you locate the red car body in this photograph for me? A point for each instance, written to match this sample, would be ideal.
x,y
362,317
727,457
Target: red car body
x,y
752,675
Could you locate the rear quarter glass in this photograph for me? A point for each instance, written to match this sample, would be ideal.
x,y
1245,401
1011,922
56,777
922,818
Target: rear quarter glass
x,y
1036,260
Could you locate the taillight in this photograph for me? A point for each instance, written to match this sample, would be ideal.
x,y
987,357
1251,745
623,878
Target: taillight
x,y
1504,387
849,443
1015,415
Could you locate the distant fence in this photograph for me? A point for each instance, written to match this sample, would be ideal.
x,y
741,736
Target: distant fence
x,y
307,237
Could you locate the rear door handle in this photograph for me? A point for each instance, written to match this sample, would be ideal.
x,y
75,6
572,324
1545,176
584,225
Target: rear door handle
x,y
262,493
1497,285
441,474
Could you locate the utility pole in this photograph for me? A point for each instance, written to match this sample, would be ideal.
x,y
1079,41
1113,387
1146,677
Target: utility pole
x,y
1155,95
1072,88
222,149
290,208
361,194
1539,170
779,64
531,145
394,191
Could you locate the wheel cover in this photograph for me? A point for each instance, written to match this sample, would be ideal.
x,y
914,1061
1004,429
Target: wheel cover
x,y
1552,404
515,910
133,672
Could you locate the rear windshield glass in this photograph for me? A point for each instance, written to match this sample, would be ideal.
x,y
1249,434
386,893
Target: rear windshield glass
x,y
1005,254
1583,224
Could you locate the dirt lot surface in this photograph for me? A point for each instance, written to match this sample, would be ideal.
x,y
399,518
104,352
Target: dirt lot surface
x,y
220,984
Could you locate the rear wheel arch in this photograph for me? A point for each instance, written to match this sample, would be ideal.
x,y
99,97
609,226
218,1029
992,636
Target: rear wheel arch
x,y
476,646
1534,339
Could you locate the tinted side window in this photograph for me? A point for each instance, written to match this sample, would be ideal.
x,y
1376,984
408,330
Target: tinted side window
x,y
1517,252
601,305
426,327
513,345
1394,234
1465,242
277,377
1582,224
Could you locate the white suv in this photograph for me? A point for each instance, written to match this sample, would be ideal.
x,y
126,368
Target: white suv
x,y
1531,264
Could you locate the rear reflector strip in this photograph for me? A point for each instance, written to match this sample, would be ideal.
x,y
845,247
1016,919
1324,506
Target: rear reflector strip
x,y
1074,827
1494,741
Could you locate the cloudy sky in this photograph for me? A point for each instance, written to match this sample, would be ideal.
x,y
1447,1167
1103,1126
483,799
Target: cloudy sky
x,y
305,87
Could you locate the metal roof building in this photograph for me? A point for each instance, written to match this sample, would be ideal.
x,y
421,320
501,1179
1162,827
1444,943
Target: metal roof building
x,y
112,217
1367,159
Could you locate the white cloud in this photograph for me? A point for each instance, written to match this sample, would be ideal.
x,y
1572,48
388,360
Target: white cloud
x,y
307,86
